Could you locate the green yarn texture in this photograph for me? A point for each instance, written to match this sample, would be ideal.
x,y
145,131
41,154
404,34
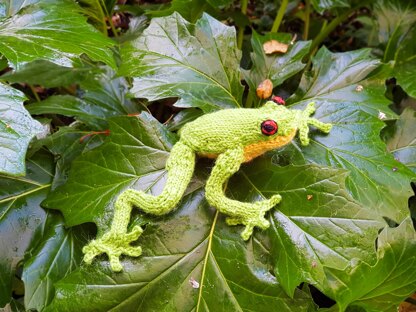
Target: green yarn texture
x,y
232,136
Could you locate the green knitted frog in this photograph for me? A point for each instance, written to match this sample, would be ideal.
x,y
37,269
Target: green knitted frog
x,y
232,136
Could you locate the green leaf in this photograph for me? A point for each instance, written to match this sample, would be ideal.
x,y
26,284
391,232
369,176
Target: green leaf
x,y
97,177
403,142
197,63
191,10
353,106
66,144
103,97
405,63
56,255
190,260
17,128
50,75
53,31
316,227
96,12
390,280
394,19
276,67
22,219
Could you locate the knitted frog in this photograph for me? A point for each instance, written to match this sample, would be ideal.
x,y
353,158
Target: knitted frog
x,y
232,136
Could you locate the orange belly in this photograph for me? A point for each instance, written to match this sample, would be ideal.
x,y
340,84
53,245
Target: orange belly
x,y
254,150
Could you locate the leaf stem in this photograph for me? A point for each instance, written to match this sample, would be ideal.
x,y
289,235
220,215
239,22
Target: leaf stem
x,y
329,28
35,94
279,16
249,100
240,35
109,16
307,19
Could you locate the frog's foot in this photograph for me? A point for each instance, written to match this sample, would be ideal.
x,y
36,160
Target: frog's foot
x,y
305,121
254,216
114,245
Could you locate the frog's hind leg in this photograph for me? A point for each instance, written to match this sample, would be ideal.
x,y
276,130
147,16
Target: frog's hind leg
x,y
180,166
248,214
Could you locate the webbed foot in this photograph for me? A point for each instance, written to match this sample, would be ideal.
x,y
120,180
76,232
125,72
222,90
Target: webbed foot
x,y
305,121
114,245
254,215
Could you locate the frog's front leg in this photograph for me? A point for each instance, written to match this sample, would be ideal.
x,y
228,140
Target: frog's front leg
x,y
305,121
180,167
248,214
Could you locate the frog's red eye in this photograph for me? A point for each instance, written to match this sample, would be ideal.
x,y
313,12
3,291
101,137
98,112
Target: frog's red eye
x,y
268,127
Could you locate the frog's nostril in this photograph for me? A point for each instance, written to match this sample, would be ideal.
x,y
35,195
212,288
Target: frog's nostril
x,y
269,127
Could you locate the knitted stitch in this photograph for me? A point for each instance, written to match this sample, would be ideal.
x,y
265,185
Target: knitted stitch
x,y
233,136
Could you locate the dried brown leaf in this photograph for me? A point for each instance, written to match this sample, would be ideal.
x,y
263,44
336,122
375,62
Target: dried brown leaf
x,y
274,46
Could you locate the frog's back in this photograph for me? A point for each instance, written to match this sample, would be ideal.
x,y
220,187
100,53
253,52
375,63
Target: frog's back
x,y
216,132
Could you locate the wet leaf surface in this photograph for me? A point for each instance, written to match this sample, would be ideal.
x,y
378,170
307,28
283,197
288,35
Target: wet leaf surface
x,y
197,63
17,128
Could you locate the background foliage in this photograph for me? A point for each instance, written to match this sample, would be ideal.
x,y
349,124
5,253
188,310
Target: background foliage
x,y
91,95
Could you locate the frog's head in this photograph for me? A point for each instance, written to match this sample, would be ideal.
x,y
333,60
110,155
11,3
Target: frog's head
x,y
284,121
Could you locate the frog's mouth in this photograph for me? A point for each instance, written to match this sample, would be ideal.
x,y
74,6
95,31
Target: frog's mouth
x,y
254,150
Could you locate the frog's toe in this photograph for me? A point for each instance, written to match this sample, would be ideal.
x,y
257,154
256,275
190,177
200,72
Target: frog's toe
x,y
132,251
133,234
248,231
115,263
274,200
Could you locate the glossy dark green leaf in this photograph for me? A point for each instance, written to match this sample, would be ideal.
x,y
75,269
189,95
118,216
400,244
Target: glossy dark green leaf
x,y
276,67
405,63
17,128
197,63
190,245
354,106
394,19
21,217
133,155
403,142
66,144
103,97
191,262
56,255
191,10
54,31
50,75
316,227
389,281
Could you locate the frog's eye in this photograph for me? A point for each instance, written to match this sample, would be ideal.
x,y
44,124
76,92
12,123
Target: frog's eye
x,y
269,127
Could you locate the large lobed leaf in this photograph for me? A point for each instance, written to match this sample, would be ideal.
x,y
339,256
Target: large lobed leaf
x,y
353,105
50,30
190,245
102,96
133,155
197,63
17,128
318,226
311,238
